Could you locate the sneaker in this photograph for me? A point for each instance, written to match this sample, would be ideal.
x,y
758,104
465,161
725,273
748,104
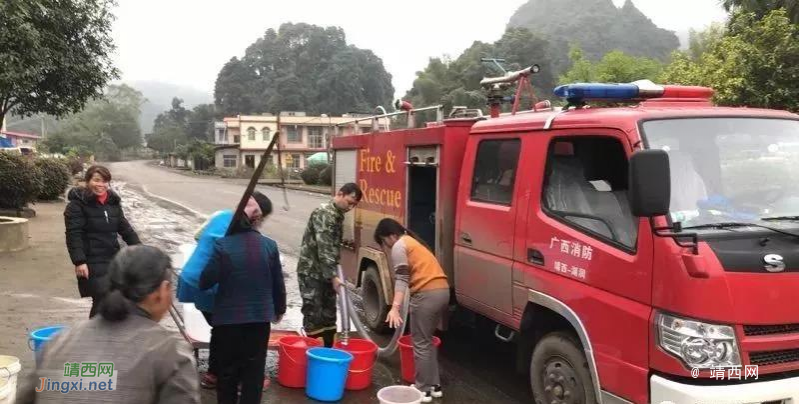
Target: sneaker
x,y
437,392
428,395
208,381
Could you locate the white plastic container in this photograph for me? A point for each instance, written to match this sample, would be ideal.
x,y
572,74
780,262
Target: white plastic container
x,y
9,368
399,395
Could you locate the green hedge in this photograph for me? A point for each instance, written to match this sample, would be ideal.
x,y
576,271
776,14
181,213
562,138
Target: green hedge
x,y
53,178
310,175
326,176
19,181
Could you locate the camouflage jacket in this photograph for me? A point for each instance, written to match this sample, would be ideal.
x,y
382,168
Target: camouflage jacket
x,y
321,243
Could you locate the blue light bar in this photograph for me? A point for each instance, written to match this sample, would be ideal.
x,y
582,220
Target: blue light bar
x,y
597,91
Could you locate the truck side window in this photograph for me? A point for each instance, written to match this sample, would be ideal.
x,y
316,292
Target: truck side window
x,y
586,186
495,171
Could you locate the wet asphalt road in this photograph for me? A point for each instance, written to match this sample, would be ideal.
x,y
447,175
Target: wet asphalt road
x,y
475,367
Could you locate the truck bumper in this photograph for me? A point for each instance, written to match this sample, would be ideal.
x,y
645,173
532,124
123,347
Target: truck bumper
x,y
781,391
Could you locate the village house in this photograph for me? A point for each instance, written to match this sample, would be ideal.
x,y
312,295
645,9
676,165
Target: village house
x,y
242,140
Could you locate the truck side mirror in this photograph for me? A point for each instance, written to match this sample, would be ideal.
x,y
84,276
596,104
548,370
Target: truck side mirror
x,y
650,183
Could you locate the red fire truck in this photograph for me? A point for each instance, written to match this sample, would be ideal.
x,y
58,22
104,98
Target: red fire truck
x,y
645,253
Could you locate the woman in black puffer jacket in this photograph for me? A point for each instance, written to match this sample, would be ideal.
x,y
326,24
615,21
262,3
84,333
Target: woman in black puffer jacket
x,y
93,220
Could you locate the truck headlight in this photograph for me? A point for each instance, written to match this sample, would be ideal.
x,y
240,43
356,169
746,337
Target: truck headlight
x,y
697,344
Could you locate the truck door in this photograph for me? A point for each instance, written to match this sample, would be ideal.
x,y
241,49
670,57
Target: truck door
x,y
486,221
586,249
582,227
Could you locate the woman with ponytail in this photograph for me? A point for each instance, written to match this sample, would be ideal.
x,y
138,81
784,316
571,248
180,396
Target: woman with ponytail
x,y
150,363
417,272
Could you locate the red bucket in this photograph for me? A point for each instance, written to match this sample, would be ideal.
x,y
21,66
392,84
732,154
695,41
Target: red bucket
x,y
292,361
364,354
406,357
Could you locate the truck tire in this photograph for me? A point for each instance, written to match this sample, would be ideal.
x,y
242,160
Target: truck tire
x,y
375,309
559,371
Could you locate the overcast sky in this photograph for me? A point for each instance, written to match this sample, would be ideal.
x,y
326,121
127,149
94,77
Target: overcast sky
x,y
186,42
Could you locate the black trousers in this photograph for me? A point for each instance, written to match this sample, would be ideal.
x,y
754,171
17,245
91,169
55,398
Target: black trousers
x,y
96,301
212,362
241,357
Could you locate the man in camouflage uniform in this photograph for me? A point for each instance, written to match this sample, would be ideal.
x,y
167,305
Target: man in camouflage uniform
x,y
316,268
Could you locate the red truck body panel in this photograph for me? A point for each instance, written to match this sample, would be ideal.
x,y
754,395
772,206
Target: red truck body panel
x,y
615,292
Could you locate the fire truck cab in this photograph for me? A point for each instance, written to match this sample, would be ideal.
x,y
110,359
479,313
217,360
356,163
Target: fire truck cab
x,y
634,254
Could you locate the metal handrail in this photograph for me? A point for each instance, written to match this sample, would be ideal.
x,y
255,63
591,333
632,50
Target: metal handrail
x,y
396,113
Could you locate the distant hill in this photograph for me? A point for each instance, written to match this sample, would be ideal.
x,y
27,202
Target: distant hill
x,y
159,99
597,26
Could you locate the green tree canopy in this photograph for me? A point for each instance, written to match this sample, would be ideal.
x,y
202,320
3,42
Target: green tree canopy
x,y
754,64
762,7
614,67
302,67
456,83
200,125
170,128
113,118
55,55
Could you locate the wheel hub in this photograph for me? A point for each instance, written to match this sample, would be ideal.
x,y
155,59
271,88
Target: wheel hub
x,y
561,384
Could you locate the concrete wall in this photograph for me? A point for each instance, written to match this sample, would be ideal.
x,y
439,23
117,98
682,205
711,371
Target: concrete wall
x,y
219,157
13,234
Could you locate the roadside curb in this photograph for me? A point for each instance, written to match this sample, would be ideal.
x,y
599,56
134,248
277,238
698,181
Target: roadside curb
x,y
295,188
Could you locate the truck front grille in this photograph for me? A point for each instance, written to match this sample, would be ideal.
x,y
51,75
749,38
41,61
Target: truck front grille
x,y
766,358
757,330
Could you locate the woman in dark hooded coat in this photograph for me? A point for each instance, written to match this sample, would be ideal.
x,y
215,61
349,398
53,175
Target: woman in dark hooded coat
x,y
94,220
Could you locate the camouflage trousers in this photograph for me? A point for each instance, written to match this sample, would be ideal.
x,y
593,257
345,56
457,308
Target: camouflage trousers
x,y
318,304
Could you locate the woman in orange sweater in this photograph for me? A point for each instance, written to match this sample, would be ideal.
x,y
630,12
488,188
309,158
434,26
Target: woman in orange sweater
x,y
416,269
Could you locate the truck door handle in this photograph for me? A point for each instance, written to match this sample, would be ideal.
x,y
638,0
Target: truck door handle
x,y
466,238
535,257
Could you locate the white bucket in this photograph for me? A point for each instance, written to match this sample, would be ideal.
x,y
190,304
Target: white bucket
x,y
9,367
399,395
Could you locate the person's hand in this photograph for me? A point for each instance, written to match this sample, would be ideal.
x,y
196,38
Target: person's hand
x,y
277,319
82,271
337,284
394,319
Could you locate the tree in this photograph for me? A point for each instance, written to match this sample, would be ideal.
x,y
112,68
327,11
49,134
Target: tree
x,y
302,67
761,8
233,89
700,42
166,138
614,67
114,116
754,64
170,128
55,55
200,124
457,82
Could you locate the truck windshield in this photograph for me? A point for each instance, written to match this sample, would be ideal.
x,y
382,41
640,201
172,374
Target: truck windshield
x,y
741,170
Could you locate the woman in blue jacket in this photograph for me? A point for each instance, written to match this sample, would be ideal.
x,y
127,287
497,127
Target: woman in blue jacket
x,y
251,295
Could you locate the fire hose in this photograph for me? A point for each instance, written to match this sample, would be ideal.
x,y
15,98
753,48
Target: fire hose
x,y
348,312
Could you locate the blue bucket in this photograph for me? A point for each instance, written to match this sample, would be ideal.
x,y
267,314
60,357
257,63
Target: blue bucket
x,y
327,373
38,337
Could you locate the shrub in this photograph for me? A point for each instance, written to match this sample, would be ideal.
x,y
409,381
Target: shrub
x,y
310,175
326,176
53,178
75,165
19,183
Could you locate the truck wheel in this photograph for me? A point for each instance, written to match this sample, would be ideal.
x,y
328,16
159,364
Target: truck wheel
x,y
559,371
375,309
